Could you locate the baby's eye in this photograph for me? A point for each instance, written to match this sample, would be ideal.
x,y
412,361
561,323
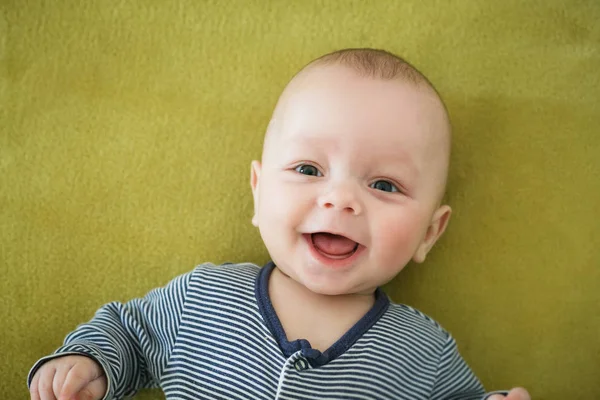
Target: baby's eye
x,y
306,169
384,186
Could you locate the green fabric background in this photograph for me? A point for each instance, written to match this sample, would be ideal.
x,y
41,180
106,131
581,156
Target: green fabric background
x,y
127,129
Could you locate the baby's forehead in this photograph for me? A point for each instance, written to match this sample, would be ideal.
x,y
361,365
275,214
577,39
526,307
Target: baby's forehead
x,y
322,94
338,83
326,94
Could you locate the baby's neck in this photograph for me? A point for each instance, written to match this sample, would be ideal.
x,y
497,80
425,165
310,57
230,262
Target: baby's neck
x,y
320,319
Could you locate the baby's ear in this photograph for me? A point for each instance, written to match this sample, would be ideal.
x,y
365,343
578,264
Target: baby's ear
x,y
254,181
438,224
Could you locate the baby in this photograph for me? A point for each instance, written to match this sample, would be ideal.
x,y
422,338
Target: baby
x,y
348,191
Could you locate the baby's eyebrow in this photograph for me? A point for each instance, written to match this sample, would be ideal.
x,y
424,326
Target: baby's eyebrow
x,y
394,158
400,163
310,140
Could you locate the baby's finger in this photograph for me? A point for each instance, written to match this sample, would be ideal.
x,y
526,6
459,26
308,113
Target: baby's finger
x,y
518,394
496,397
94,391
33,387
45,383
77,378
59,379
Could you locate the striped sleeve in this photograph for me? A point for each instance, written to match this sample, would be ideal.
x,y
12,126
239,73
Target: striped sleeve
x,y
132,341
454,379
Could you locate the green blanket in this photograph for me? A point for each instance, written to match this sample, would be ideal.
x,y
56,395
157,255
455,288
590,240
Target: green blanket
x,y
127,129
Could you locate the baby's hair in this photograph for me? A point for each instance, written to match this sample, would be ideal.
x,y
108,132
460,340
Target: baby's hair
x,y
374,63
377,64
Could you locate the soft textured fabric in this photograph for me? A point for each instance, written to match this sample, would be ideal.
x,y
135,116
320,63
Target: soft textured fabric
x,y
127,129
214,334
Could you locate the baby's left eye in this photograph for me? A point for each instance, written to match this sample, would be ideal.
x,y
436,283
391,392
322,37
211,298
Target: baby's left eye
x,y
384,186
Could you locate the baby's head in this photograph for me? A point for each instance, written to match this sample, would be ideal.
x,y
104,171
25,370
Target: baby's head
x,y
353,172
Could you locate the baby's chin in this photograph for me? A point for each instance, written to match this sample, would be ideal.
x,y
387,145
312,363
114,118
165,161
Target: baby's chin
x,y
333,287
317,281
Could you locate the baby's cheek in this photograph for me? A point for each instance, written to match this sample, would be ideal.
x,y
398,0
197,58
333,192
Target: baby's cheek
x,y
400,236
279,206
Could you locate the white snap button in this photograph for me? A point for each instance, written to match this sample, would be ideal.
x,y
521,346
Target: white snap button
x,y
300,364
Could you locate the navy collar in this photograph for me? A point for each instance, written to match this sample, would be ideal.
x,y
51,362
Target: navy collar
x,y
315,357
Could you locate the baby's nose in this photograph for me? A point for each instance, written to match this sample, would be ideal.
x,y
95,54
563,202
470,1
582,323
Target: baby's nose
x,y
341,197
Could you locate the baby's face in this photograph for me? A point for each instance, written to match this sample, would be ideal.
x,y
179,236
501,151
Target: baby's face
x,y
350,180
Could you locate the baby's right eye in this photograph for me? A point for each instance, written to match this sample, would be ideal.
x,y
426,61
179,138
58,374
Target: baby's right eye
x,y
306,169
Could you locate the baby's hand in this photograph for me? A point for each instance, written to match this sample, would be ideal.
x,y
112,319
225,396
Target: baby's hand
x,y
515,394
69,378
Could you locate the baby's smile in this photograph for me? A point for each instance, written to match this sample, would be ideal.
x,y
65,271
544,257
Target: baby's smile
x,y
332,245
333,250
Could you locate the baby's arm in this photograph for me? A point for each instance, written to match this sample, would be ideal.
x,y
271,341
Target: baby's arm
x,y
132,342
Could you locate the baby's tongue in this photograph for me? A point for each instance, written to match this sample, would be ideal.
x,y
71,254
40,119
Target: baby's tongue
x,y
333,244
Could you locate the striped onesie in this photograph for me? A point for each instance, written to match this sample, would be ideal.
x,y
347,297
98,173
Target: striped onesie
x,y
213,334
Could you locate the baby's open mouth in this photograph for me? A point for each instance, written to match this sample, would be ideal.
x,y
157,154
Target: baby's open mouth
x,y
333,246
